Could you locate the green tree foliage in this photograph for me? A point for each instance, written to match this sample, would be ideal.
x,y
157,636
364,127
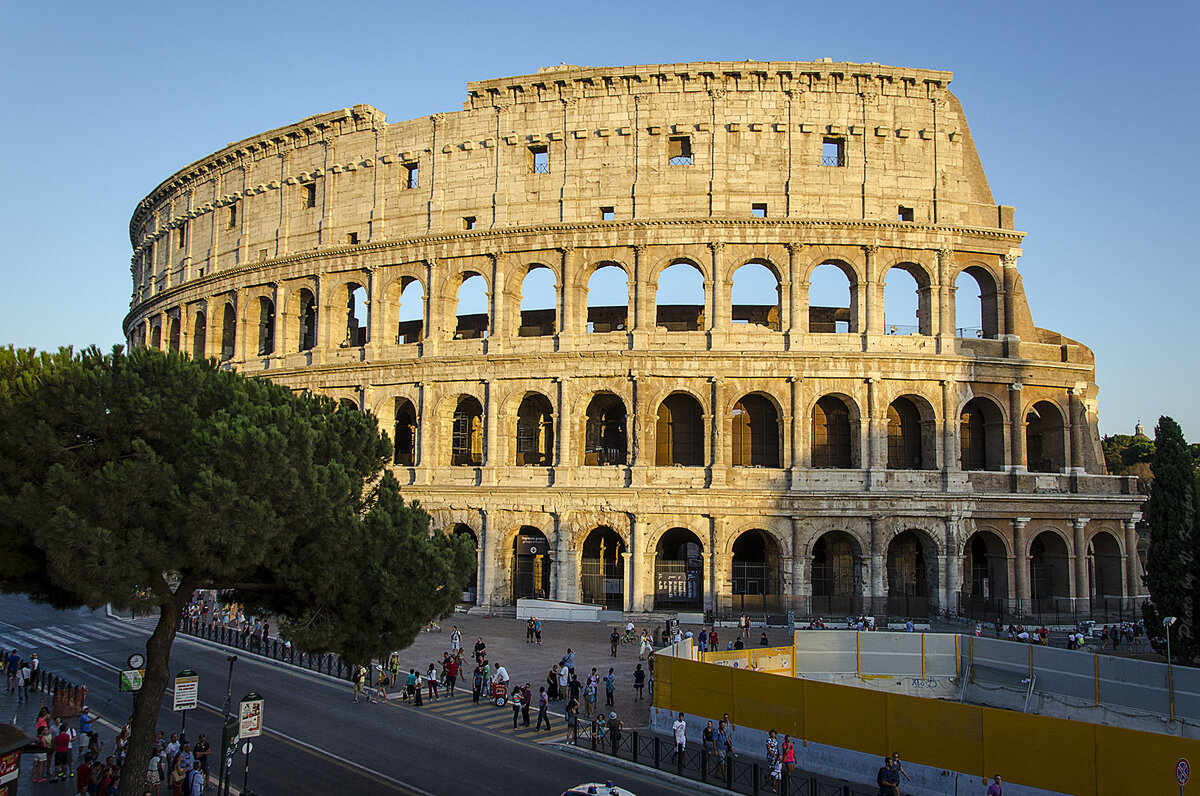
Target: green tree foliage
x,y
1171,563
137,478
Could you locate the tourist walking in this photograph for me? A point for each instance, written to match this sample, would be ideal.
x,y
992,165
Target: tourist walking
x,y
679,731
543,710
774,761
639,681
526,699
610,687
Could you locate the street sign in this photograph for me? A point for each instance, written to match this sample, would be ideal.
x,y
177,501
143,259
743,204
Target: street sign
x,y
250,716
131,679
10,768
1183,772
247,748
187,688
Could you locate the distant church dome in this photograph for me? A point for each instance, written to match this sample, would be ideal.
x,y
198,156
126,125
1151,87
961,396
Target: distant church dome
x,y
1138,431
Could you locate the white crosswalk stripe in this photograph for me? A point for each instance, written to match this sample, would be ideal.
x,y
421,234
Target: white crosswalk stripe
x,y
58,631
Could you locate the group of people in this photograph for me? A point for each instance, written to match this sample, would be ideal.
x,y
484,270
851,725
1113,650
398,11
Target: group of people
x,y
182,767
21,673
439,679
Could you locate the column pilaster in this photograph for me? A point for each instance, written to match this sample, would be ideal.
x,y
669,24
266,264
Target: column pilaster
x,y
1133,569
717,298
1079,538
1021,561
1016,429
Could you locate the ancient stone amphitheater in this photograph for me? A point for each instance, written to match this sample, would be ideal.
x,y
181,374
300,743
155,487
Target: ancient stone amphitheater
x,y
728,336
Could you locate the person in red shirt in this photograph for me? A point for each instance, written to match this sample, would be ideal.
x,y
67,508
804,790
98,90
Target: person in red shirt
x,y
451,675
62,753
83,775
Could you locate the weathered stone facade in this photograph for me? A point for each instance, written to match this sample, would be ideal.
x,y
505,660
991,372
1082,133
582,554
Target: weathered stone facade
x,y
821,456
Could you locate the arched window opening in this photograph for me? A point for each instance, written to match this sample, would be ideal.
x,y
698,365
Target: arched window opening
x,y
1049,572
356,316
680,298
538,291
1105,565
471,595
608,300
975,304
410,317
985,570
755,432
755,296
605,440
679,571
531,565
832,446
156,336
1045,439
904,298
908,576
308,320
173,331
199,330
535,431
602,570
266,326
679,438
757,576
472,311
348,404
981,436
228,332
830,299
904,436
836,575
466,443
405,435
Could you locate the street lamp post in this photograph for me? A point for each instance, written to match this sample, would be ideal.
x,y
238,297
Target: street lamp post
x,y
1167,622
223,778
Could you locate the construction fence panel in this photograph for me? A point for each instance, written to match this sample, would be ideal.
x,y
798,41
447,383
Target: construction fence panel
x,y
826,651
1042,751
942,734
1064,672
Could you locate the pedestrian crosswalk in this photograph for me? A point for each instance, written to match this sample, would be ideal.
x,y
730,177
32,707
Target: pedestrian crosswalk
x,y
68,636
486,715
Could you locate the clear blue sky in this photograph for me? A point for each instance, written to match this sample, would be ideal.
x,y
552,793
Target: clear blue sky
x,y
1085,116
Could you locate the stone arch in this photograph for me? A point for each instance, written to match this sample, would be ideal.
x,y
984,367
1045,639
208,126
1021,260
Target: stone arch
x,y
1049,568
911,572
404,310
469,288
174,333
600,279
830,316
1046,438
679,437
534,307
756,431
228,331
606,435
756,565
986,588
679,570
747,297
835,572
531,564
987,301
471,594
1106,564
981,434
908,308
466,433
835,427
602,568
199,333
681,313
911,433
306,319
263,322
534,432
405,430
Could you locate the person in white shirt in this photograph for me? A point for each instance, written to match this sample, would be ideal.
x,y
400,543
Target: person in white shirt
x,y
679,729
501,674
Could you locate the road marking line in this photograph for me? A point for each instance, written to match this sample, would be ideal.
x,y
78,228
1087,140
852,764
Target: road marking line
x,y
58,631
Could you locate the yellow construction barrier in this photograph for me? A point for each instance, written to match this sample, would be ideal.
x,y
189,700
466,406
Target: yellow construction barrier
x,y
773,660
1039,751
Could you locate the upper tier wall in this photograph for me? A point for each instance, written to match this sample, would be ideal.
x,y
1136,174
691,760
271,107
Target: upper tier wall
x,y
755,131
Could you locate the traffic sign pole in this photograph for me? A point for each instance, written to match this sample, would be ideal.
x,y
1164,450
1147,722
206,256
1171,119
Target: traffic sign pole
x,y
1183,772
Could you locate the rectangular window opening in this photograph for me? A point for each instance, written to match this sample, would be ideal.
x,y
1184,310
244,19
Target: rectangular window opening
x,y
310,195
833,151
539,155
608,213
679,150
233,213
412,175
758,210
182,235
352,238
468,222
904,213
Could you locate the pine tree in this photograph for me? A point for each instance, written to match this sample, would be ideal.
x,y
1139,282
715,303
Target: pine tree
x,y
1171,563
135,479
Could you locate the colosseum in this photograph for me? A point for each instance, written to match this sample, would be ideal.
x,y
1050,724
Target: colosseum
x,y
675,338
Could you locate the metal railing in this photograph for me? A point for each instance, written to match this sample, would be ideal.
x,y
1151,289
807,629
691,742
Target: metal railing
x,y
1051,610
735,773
273,648
833,160
680,160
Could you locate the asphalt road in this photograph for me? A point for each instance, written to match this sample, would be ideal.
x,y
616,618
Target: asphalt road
x,y
315,740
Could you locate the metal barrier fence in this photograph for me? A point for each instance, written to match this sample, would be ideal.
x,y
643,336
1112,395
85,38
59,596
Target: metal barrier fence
x,y
273,648
1051,610
67,699
737,774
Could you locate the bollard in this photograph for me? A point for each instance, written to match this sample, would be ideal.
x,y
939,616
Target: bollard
x,y
703,765
635,746
754,788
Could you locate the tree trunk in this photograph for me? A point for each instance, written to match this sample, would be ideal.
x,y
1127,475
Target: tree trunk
x,y
148,701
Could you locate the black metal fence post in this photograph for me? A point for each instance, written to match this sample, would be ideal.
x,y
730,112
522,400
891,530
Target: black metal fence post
x,y
754,787
635,746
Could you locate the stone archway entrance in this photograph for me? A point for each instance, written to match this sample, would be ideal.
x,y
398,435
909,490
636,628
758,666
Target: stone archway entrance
x,y
679,572
471,590
602,570
531,565
836,575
